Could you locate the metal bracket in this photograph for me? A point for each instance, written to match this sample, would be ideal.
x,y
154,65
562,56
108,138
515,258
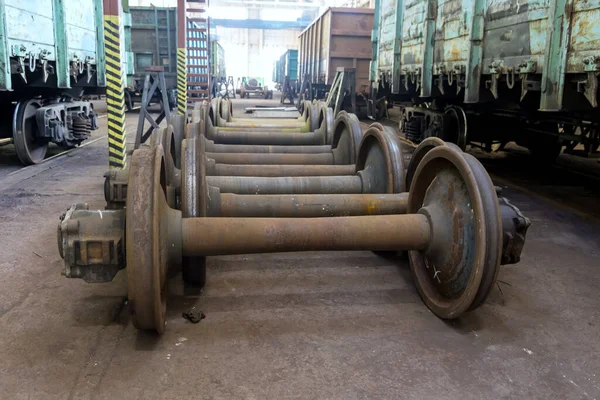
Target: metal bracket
x,y
441,70
589,87
496,69
19,50
524,88
21,70
88,68
460,72
527,67
591,64
414,75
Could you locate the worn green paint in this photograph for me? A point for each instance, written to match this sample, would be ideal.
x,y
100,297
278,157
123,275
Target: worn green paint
x,y
474,62
129,68
61,45
397,61
428,44
553,77
389,38
100,55
373,74
5,81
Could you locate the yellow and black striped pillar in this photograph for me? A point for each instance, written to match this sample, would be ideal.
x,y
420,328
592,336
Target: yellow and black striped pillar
x,y
181,81
181,58
115,87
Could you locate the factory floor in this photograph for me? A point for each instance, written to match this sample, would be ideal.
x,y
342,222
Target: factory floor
x,y
329,325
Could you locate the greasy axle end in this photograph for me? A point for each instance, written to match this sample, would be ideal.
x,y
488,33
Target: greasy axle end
x,y
514,230
92,243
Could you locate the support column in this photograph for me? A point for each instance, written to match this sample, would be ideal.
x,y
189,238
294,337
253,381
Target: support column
x,y
181,59
115,86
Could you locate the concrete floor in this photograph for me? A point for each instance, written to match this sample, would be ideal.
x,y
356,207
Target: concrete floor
x,y
332,325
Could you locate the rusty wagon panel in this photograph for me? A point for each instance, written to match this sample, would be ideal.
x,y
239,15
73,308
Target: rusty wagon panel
x,y
340,37
480,50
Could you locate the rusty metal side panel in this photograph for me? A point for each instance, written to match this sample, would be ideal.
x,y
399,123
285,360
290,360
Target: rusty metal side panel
x,y
417,41
387,35
30,28
585,36
325,39
301,62
515,34
452,31
350,44
340,37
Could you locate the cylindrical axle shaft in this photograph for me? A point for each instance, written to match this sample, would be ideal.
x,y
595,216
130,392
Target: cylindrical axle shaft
x,y
216,169
311,206
268,138
222,236
245,148
287,185
261,123
272,158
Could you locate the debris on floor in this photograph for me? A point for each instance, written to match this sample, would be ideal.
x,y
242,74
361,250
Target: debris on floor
x,y
193,316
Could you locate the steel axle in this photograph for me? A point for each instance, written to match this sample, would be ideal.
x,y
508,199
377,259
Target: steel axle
x,y
453,231
379,169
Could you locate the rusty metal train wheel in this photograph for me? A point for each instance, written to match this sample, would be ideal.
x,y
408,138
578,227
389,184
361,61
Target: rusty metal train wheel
x,y
313,117
460,125
493,228
326,117
225,108
193,204
346,136
451,192
166,138
380,162
179,131
29,147
422,149
146,259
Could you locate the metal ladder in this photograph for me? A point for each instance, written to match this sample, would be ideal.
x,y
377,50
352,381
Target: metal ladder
x,y
198,51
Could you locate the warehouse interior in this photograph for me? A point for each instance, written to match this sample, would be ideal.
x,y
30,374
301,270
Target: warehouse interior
x,y
299,199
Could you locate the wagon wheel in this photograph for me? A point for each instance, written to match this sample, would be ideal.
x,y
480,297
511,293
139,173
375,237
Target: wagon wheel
x,y
460,123
151,237
460,265
30,148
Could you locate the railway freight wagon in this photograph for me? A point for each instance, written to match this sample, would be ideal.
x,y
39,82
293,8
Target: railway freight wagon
x,y
152,39
51,52
218,73
287,75
488,72
217,61
339,37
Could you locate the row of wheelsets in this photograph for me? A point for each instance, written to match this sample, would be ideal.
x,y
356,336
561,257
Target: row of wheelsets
x,y
222,185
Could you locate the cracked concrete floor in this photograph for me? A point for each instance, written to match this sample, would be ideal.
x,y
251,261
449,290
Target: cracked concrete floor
x,y
331,325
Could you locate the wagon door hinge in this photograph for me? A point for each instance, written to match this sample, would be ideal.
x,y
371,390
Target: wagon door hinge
x,y
526,68
496,69
43,61
20,52
414,75
589,87
88,68
441,70
21,68
460,76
